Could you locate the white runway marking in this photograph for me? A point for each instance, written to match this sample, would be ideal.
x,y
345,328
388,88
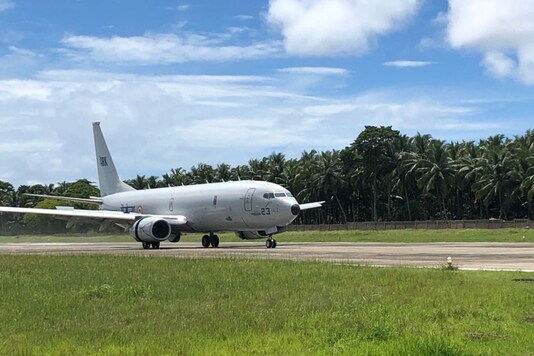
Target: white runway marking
x,y
487,256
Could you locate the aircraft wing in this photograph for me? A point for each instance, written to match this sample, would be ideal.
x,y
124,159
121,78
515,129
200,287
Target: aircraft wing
x,y
91,200
105,217
311,205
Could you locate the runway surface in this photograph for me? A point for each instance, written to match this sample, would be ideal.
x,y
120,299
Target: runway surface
x,y
486,256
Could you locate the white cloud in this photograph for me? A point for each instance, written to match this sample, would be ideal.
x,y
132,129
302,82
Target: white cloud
x,y
502,32
332,27
24,89
6,4
164,48
155,123
17,61
181,8
408,64
499,64
407,115
315,70
244,17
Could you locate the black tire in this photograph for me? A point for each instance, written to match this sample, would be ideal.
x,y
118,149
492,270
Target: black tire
x,y
146,245
273,243
214,241
205,241
268,243
155,245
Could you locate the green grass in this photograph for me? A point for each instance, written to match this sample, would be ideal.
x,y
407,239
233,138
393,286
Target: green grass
x,y
449,235
153,305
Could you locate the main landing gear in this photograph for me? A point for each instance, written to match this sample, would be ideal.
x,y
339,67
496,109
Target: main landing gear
x,y
147,245
210,239
270,242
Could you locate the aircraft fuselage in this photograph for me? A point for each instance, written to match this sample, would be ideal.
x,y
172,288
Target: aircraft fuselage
x,y
228,206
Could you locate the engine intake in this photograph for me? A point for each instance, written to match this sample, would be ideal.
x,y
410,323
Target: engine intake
x,y
150,229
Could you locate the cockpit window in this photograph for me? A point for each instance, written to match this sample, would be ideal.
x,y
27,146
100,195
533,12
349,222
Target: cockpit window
x,y
268,196
280,195
289,194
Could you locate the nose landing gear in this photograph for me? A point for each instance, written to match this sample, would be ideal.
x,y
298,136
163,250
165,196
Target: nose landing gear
x,y
270,242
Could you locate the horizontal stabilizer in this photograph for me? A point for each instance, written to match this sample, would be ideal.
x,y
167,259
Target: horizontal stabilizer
x,y
311,205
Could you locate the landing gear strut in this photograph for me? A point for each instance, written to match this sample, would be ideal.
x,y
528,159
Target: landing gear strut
x,y
148,245
270,242
210,239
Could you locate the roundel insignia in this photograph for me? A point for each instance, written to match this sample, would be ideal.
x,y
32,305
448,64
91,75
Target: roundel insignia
x,y
139,209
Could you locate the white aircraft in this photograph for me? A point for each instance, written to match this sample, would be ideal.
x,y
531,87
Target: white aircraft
x,y
251,209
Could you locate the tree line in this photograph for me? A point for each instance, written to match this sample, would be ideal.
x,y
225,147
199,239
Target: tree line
x,y
382,175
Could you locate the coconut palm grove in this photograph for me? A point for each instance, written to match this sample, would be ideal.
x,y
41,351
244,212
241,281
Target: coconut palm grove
x,y
382,176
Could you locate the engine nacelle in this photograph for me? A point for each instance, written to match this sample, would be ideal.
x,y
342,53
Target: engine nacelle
x,y
150,229
251,235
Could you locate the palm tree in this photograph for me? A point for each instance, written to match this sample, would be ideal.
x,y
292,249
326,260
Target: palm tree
x,y
404,179
241,172
202,173
259,169
528,187
436,173
139,183
498,180
275,163
307,190
328,180
223,172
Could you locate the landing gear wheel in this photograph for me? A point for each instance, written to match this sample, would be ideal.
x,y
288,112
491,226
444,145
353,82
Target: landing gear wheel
x,y
214,240
270,243
155,245
206,241
146,245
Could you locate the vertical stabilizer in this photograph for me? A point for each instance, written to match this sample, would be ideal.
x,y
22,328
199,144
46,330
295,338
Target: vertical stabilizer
x,y
108,178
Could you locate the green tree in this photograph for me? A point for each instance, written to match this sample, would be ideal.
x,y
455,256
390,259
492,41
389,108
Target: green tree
x,y
373,152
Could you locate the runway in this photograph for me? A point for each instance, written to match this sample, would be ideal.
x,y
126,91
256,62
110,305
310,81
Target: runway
x,y
475,256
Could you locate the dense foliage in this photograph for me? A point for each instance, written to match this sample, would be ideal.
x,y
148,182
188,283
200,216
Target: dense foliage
x,y
382,175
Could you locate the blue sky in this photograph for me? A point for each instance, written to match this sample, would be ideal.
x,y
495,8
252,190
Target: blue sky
x,y
176,83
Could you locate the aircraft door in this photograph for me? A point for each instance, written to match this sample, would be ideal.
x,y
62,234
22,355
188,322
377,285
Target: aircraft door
x,y
248,199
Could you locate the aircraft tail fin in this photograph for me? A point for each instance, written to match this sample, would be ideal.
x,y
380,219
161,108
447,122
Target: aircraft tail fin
x,y
108,179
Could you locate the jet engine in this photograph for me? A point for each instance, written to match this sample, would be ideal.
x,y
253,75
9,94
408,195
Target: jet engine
x,y
150,229
251,235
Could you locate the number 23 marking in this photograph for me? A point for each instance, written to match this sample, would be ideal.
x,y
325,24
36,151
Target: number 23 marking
x,y
265,211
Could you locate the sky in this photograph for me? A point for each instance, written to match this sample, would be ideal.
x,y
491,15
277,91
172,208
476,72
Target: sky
x,y
177,83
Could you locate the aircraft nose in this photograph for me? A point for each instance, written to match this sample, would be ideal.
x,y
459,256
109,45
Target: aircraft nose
x,y
295,209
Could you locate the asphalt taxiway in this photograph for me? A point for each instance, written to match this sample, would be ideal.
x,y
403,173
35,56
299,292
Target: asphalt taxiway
x,y
484,256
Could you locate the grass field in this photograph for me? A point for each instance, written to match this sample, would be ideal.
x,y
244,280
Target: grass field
x,y
143,305
450,235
